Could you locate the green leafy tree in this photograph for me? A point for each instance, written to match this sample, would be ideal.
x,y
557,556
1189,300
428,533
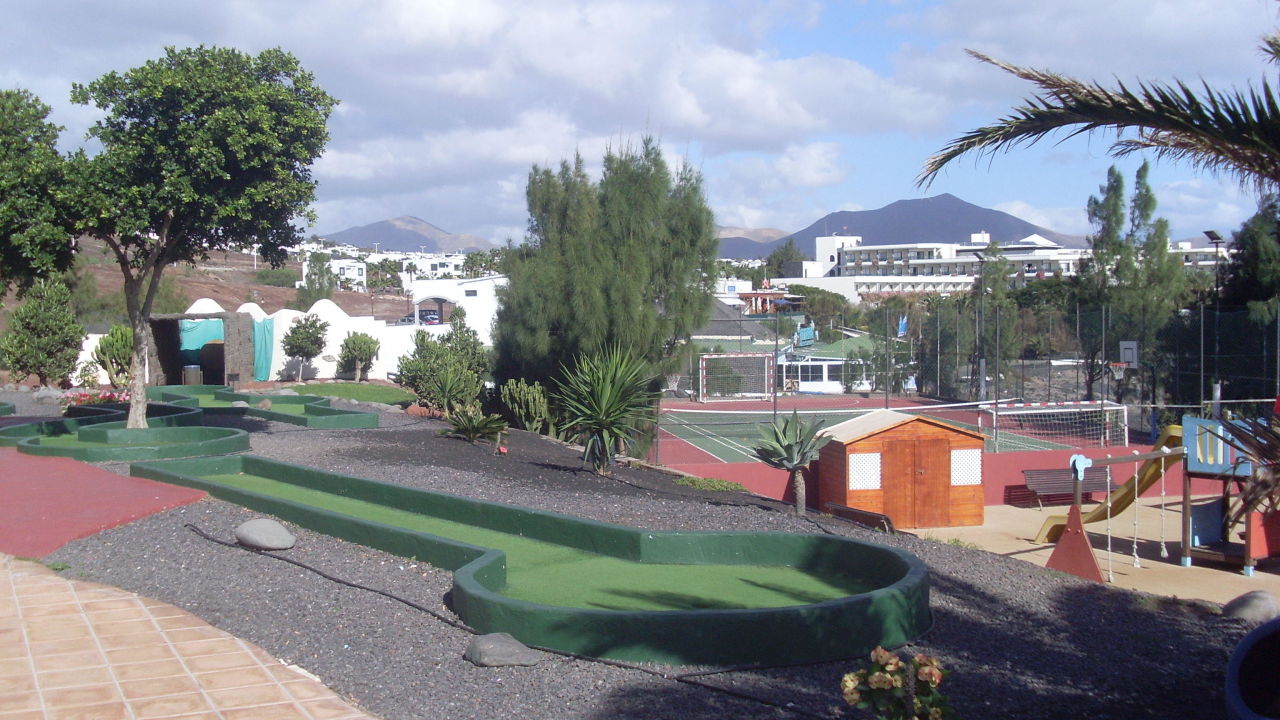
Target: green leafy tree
x,y
43,338
202,149
606,402
384,275
791,444
1252,277
784,253
114,354
629,261
319,283
305,340
357,354
35,219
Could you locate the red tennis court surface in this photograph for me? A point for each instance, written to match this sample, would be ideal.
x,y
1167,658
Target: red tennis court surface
x,y
46,502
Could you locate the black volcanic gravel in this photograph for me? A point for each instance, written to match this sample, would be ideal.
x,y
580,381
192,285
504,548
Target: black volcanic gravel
x,y
1019,641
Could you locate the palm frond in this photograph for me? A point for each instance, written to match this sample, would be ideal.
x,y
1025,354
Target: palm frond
x,y
1235,133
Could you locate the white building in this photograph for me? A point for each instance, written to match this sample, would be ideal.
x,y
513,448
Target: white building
x,y
478,296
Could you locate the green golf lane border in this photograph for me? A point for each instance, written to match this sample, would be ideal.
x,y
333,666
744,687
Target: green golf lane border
x,y
313,411
891,615
112,442
7,408
79,416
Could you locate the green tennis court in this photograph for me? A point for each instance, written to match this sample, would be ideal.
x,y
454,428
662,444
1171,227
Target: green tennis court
x,y
552,574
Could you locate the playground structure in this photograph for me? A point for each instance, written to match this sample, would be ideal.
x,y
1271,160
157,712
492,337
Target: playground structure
x,y
1207,450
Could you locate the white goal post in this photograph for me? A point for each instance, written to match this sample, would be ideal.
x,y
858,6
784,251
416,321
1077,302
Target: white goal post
x,y
1079,424
735,376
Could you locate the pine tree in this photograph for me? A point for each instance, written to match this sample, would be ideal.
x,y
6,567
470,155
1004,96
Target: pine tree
x,y
626,262
43,337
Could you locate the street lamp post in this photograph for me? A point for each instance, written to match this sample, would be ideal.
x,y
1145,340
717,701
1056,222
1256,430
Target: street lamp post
x,y
1217,242
979,325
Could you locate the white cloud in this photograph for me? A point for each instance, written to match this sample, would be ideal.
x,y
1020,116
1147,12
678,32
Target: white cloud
x,y
1069,220
813,165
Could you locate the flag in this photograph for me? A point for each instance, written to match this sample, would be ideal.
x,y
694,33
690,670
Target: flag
x,y
902,326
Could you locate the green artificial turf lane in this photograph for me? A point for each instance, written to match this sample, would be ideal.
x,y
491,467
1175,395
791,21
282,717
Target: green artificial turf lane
x,y
277,404
552,574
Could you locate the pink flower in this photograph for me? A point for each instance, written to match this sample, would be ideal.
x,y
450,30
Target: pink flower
x,y
881,681
930,674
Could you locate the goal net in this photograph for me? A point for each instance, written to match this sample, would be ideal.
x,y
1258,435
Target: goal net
x,y
735,376
1074,424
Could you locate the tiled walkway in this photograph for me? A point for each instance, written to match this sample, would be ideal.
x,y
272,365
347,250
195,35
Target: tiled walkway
x,y
79,650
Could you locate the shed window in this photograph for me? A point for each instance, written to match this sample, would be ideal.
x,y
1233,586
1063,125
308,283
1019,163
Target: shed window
x,y
864,471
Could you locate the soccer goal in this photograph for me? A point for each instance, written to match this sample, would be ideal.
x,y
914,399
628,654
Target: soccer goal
x,y
1074,424
735,376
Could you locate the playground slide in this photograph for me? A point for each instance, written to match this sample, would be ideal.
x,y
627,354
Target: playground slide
x,y
1123,496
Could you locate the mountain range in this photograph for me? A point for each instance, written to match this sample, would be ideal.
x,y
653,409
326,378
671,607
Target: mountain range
x,y
939,219
408,234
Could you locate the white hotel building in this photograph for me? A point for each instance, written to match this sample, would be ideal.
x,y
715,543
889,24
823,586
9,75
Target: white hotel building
x,y
844,265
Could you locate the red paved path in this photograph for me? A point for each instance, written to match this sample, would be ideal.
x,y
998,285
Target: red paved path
x,y
46,502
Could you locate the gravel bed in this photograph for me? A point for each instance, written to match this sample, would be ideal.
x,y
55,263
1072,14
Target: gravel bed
x,y
1018,641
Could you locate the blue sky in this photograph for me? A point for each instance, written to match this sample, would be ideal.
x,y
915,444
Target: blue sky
x,y
791,109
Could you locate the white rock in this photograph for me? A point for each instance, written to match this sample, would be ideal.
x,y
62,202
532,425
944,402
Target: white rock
x,y
264,534
1254,607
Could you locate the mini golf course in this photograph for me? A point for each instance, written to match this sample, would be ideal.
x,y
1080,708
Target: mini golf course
x,y
306,410
600,589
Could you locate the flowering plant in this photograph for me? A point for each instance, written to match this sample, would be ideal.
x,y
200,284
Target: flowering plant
x,y
72,398
897,690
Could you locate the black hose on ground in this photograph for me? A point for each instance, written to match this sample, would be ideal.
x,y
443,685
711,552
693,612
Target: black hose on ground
x,y
683,678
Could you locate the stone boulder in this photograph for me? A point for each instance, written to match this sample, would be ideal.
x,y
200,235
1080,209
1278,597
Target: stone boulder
x,y
239,404
1254,607
264,534
264,404
47,396
500,650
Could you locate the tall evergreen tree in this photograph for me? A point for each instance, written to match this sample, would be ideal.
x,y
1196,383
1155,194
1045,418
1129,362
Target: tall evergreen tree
x,y
626,262
1253,274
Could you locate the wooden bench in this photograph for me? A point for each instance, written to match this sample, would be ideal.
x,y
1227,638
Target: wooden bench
x,y
1059,481
865,518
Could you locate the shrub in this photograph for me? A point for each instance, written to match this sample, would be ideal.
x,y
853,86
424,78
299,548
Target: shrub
x,y
43,338
527,403
606,399
710,484
305,340
114,354
471,424
448,372
358,352
279,277
87,374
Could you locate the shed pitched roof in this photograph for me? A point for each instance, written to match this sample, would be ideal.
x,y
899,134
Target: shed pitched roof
x,y
880,420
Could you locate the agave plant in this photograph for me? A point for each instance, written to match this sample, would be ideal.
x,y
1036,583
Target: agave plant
x,y
605,399
470,423
791,444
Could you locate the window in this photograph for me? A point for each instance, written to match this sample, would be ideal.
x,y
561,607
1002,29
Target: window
x,y
811,372
470,293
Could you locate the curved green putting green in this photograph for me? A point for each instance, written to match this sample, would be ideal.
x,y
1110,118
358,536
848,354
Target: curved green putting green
x,y
306,410
600,589
112,442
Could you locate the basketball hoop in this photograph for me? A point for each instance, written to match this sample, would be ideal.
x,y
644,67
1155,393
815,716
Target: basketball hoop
x,y
1117,370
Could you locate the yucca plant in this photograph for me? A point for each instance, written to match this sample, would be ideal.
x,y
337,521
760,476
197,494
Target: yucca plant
x,y
453,386
791,444
604,400
470,423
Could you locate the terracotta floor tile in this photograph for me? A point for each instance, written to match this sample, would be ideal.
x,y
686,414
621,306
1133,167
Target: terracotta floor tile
x,y
106,711
105,616
285,674
224,661
72,678
330,709
40,612
21,666
13,649
111,604
246,696
189,634
303,689
11,684
22,715
58,647
86,695
285,711
212,646
25,700
143,653
164,707
143,670
43,597
71,627
238,677
116,642
69,661
122,627
156,687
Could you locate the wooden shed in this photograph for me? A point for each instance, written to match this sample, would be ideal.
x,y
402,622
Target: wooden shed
x,y
919,471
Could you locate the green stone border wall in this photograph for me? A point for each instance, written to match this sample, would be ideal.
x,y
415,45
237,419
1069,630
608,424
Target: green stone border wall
x,y
316,411
79,416
7,408
112,442
892,615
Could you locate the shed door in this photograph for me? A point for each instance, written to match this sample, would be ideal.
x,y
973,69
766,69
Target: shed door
x,y
917,482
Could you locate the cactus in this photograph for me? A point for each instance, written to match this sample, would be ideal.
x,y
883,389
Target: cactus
x,y
114,354
527,403
357,354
